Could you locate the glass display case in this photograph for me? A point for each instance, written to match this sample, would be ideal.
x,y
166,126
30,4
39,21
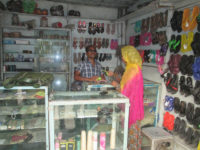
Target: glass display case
x,y
23,120
93,118
151,99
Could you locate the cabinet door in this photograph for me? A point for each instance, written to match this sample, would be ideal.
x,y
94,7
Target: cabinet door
x,y
53,49
151,97
23,118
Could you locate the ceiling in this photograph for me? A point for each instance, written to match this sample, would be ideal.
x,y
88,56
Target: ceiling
x,y
106,3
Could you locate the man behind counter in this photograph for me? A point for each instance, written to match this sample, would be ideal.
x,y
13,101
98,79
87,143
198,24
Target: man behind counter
x,y
89,70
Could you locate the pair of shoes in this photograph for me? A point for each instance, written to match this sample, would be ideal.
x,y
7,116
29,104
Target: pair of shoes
x,y
188,87
114,44
172,83
190,113
81,27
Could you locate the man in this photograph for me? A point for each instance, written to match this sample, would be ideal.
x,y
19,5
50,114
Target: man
x,y
89,70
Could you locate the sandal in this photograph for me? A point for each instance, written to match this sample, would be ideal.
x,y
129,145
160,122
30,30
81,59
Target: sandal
x,y
177,123
176,105
95,42
182,85
99,43
102,28
113,29
83,27
75,43
182,129
190,113
174,84
98,28
108,29
107,43
188,135
104,43
188,87
81,43
79,29
182,108
90,28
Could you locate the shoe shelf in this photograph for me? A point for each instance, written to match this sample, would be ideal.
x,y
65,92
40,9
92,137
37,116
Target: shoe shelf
x,y
7,110
23,124
32,15
22,116
38,135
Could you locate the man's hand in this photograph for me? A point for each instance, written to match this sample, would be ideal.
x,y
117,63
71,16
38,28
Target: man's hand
x,y
94,78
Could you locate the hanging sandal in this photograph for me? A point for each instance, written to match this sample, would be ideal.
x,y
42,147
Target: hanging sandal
x,y
189,21
108,29
186,42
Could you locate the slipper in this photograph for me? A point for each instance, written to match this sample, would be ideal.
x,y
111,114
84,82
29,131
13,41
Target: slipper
x,y
182,108
83,57
102,27
98,28
190,113
165,19
155,39
79,29
177,123
83,27
95,42
74,43
182,85
112,44
104,43
75,58
108,29
195,139
94,26
79,58
188,135
198,22
107,43
174,84
176,105
188,87
90,28
113,29
100,57
131,40
99,43
182,129
81,43
89,41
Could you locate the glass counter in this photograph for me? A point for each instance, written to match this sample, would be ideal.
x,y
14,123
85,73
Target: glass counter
x,y
91,119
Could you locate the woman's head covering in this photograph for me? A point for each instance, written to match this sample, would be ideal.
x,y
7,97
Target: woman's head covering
x,y
131,55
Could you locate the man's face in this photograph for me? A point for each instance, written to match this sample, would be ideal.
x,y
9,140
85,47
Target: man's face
x,y
91,53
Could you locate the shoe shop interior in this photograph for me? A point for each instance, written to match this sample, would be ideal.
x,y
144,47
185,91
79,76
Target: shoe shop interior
x,y
123,75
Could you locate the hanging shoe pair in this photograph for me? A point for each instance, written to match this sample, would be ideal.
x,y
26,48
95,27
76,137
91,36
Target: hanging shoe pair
x,y
171,83
81,27
186,86
175,44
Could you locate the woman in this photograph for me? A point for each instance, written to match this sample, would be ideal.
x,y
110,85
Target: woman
x,y
131,86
